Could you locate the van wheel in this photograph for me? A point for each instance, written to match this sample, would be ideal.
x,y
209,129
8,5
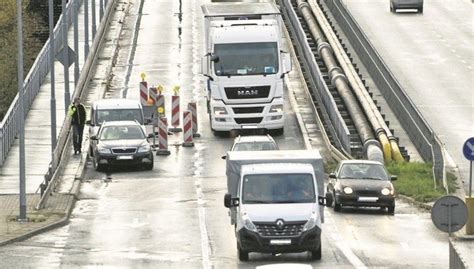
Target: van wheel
x,y
316,254
243,255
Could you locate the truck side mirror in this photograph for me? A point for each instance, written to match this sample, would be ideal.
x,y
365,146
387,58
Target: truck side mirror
x,y
393,178
322,200
205,67
286,62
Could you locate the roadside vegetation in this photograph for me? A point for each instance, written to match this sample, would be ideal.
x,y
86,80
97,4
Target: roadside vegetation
x,y
35,33
416,180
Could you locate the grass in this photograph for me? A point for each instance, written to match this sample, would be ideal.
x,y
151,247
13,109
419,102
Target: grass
x,y
416,180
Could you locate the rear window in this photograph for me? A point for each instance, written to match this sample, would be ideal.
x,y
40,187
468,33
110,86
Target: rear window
x,y
119,115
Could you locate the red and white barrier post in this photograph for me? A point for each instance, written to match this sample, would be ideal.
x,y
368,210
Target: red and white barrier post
x,y
160,102
193,108
187,129
163,137
152,92
143,90
175,111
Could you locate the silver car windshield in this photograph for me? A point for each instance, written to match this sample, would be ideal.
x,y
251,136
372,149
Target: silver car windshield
x,y
363,171
278,188
246,59
249,146
121,133
119,115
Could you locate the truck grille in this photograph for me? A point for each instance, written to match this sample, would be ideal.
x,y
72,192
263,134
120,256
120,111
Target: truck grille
x,y
124,150
248,120
367,193
247,92
271,229
247,110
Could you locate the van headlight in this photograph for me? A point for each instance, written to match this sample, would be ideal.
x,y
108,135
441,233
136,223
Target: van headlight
x,y
276,109
144,148
311,223
220,111
248,224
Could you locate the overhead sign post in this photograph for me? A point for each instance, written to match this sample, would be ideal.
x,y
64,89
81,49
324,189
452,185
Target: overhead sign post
x,y
468,151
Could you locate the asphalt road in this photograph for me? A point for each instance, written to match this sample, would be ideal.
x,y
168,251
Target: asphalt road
x,y
173,216
431,55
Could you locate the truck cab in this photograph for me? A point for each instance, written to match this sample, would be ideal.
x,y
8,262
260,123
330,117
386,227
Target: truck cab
x,y
244,64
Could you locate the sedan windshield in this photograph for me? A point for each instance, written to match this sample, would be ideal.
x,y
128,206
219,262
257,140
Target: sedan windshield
x,y
246,59
363,171
278,188
119,115
249,146
121,133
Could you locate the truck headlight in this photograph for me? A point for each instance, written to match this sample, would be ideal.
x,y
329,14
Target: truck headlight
x,y
103,150
348,190
144,148
313,220
220,111
387,191
248,224
276,109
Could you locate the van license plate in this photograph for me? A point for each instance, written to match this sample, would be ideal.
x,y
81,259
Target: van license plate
x,y
125,157
280,242
368,199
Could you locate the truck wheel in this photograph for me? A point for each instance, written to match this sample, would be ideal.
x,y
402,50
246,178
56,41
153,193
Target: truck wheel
x,y
243,255
316,254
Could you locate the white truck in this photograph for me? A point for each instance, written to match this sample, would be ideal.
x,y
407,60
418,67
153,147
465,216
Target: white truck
x,y
275,200
244,64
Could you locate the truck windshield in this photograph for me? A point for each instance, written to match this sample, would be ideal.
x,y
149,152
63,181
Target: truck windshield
x,y
119,115
246,59
278,188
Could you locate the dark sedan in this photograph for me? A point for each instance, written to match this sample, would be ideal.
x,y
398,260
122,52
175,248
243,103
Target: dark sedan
x,y
361,183
119,143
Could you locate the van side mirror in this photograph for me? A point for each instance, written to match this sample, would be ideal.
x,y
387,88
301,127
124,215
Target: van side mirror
x,y
322,200
332,175
229,201
223,157
286,62
393,178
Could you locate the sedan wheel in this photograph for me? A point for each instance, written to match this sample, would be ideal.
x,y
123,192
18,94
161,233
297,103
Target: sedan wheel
x,y
329,199
391,210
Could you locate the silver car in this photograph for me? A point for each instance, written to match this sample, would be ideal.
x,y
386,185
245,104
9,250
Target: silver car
x,y
406,4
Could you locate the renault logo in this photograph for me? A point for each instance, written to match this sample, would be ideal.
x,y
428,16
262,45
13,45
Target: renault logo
x,y
280,224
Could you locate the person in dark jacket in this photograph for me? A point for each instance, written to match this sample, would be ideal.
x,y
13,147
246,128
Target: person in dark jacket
x,y
77,112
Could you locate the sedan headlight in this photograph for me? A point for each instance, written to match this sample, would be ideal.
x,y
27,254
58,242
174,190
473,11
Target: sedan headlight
x,y
144,148
387,191
248,224
348,190
313,220
220,111
276,109
103,150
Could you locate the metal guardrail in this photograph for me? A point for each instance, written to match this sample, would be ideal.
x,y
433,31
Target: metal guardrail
x,y
455,261
420,133
338,127
64,138
9,126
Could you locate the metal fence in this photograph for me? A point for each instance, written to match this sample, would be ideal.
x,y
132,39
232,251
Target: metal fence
x,y
420,133
9,126
338,127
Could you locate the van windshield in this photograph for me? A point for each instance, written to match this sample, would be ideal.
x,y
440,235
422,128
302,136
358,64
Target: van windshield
x,y
119,115
278,188
246,59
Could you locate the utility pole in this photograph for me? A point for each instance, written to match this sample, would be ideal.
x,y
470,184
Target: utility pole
x,y
21,109
51,71
67,96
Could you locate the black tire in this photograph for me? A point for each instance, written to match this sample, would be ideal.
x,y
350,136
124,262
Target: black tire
x,y
98,167
316,254
277,132
337,206
148,166
220,133
391,210
420,10
243,255
329,199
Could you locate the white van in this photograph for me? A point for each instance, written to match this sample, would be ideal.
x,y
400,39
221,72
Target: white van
x,y
117,109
